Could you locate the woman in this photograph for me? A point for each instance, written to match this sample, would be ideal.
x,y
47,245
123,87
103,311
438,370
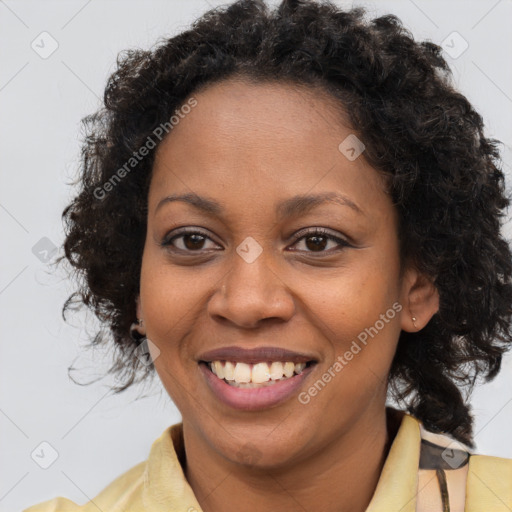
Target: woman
x,y
292,215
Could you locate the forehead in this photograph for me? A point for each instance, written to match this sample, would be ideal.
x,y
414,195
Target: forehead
x,y
283,111
247,97
257,140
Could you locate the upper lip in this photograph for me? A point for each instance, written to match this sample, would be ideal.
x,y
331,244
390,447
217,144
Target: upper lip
x,y
255,355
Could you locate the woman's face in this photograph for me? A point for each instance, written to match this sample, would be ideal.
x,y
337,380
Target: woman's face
x,y
245,279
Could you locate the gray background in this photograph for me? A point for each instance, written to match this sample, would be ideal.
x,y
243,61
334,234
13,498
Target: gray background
x,y
99,436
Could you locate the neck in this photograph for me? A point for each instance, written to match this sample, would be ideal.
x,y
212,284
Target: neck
x,y
339,477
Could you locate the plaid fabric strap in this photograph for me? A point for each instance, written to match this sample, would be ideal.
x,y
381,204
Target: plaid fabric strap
x,y
442,474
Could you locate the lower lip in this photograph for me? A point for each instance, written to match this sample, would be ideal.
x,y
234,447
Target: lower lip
x,y
252,399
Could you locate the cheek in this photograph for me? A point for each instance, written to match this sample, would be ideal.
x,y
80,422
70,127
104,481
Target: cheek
x,y
353,299
170,300
358,314
168,311
362,345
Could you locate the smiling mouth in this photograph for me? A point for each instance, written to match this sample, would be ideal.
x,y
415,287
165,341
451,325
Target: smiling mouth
x,y
255,375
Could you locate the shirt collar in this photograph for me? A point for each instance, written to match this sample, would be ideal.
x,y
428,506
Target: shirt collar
x,y
397,486
167,490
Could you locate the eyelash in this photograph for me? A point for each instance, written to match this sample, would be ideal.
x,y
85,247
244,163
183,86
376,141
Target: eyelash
x,y
167,243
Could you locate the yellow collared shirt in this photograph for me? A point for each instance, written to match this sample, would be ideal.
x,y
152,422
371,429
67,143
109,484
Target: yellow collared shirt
x,y
407,482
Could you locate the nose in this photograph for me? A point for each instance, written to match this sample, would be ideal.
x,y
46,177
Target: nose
x,y
251,294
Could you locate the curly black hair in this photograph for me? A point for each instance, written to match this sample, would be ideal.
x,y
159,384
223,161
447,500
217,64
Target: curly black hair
x,y
444,178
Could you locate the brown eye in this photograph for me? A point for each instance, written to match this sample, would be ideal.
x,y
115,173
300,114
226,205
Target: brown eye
x,y
189,241
193,241
316,243
317,240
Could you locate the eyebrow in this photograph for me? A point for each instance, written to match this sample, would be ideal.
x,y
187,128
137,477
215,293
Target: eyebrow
x,y
295,205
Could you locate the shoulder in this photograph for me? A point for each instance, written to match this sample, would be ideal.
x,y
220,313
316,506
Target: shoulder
x,y
145,486
477,482
125,490
489,483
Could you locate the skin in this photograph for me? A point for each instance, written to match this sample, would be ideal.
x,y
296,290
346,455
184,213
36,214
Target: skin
x,y
249,146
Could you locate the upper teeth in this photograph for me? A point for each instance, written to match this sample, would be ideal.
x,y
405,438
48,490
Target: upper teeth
x,y
256,373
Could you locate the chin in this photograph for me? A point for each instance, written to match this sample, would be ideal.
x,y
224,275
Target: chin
x,y
262,453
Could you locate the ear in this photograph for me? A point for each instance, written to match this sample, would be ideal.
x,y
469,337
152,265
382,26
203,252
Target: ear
x,y
140,315
139,307
420,300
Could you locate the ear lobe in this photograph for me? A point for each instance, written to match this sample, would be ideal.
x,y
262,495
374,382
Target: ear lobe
x,y
421,302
